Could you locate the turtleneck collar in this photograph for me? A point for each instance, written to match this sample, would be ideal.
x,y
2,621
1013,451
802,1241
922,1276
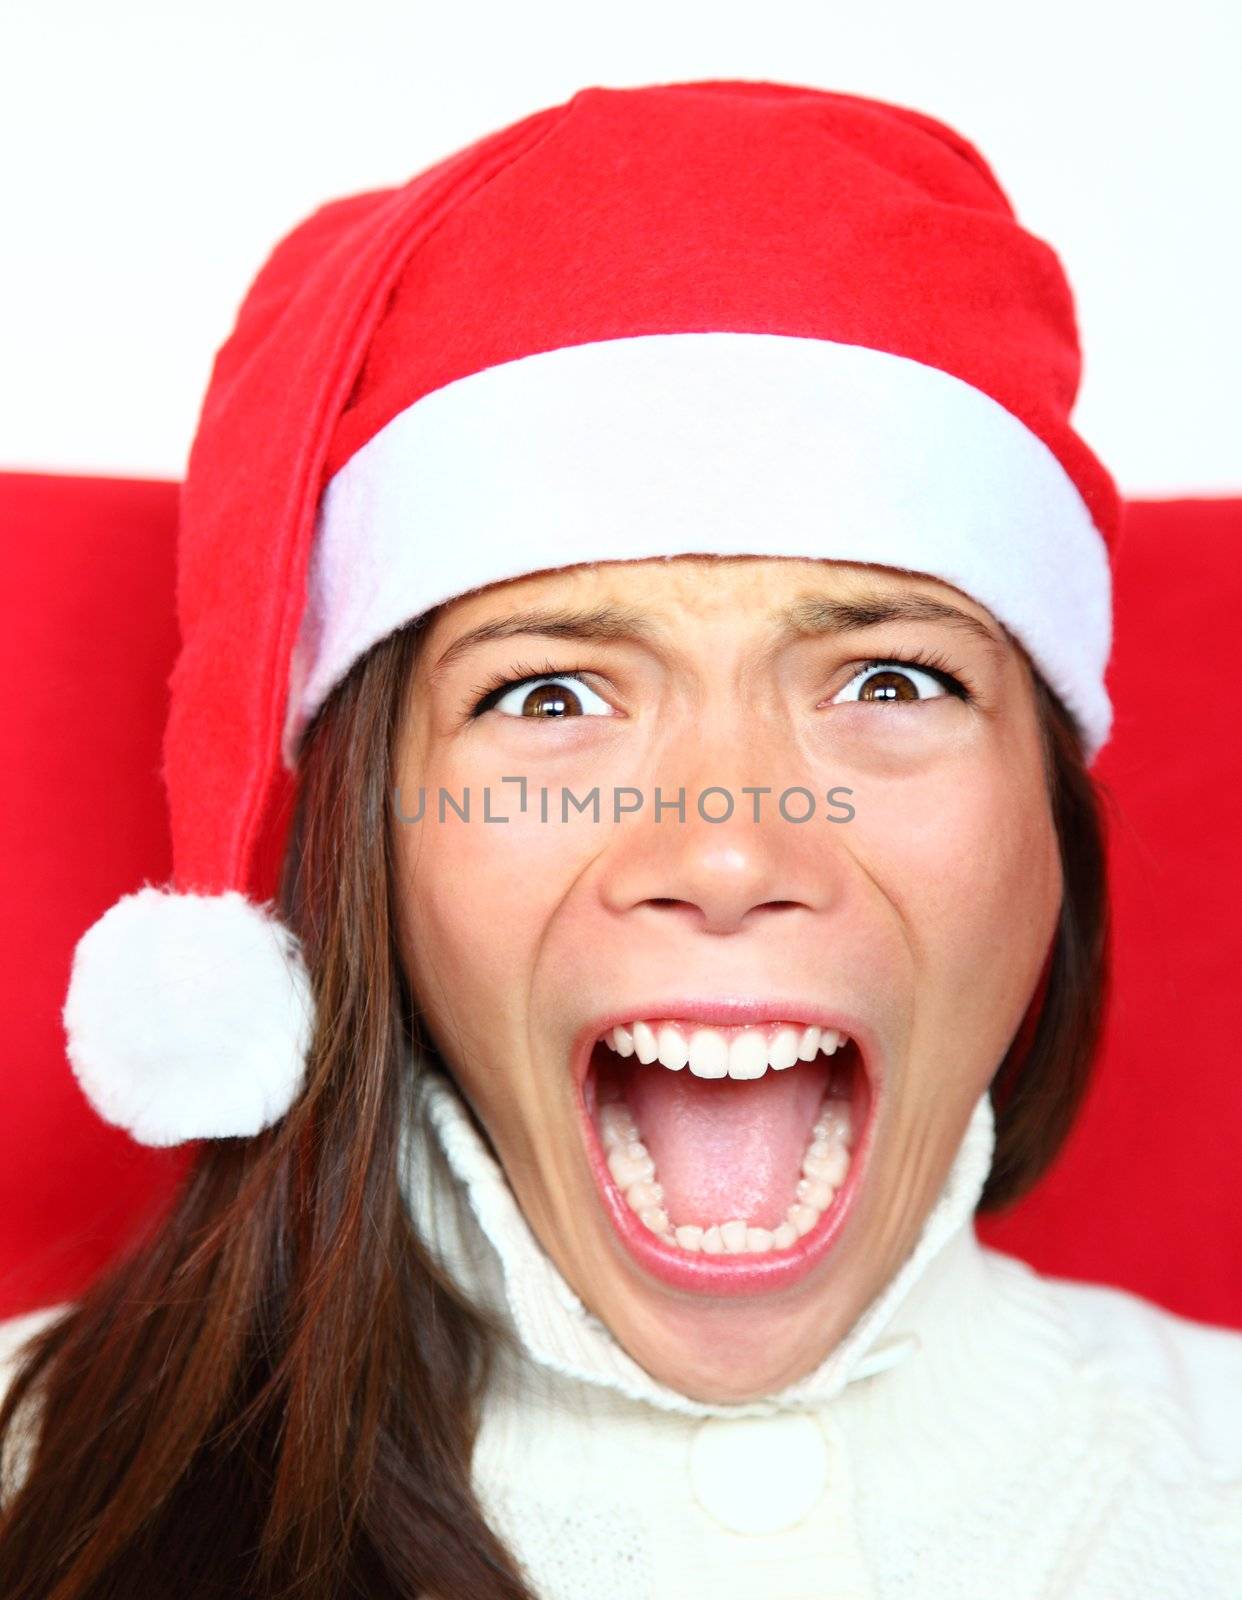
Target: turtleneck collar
x,y
469,1218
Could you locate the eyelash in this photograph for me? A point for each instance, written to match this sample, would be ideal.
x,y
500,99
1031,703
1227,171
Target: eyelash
x,y
485,695
939,666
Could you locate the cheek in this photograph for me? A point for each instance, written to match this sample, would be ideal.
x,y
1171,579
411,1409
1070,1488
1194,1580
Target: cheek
x,y
968,858
477,898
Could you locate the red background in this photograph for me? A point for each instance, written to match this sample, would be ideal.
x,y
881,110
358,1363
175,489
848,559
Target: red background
x,y
1148,1191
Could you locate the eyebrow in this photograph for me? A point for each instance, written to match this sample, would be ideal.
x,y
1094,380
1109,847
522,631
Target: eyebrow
x,y
822,614
608,623
813,615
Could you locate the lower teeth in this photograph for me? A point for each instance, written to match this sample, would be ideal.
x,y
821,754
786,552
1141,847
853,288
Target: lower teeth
x,y
824,1168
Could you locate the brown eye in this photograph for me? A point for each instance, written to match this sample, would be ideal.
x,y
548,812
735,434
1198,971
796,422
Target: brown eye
x,y
551,700
550,697
890,683
888,686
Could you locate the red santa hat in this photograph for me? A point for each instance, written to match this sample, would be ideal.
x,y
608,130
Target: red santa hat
x,y
718,317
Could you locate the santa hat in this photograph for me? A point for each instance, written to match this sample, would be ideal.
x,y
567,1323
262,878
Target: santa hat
x,y
721,317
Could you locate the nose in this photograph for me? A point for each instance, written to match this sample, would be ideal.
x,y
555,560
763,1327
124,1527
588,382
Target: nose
x,y
725,876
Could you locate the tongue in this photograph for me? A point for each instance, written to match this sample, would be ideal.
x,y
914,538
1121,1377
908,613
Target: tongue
x,y
725,1148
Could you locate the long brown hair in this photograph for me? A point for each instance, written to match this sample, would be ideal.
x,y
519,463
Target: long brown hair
x,y
276,1393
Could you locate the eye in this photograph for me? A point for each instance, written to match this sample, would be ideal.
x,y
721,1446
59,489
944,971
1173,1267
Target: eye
x,y
562,696
888,682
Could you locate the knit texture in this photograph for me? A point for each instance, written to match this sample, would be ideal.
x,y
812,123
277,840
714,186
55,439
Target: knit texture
x,y
983,1429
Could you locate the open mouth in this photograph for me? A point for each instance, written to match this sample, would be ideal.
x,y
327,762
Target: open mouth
x,y
727,1147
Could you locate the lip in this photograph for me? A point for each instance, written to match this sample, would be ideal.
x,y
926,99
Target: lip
x,y
734,1276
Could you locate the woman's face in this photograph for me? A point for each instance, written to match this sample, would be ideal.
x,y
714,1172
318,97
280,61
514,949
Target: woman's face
x,y
778,1184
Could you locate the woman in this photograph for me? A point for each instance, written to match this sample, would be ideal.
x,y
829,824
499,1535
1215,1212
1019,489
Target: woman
x,y
594,1122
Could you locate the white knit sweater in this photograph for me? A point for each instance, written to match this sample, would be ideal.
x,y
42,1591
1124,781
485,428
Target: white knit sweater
x,y
982,1431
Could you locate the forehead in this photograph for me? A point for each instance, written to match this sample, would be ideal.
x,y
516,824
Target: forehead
x,y
710,588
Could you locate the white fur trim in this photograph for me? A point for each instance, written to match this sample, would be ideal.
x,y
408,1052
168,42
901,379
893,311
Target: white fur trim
x,y
700,443
188,1016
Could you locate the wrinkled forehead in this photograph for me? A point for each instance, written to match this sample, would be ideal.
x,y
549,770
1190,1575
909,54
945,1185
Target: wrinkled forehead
x,y
656,599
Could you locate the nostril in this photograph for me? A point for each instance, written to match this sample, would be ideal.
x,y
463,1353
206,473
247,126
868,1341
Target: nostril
x,y
668,904
718,917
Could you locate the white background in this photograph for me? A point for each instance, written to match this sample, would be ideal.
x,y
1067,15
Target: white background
x,y
152,153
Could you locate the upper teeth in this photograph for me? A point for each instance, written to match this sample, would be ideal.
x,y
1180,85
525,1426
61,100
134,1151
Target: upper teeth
x,y
720,1053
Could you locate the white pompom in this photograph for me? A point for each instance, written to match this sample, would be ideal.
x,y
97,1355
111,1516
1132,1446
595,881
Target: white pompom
x,y
189,1016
